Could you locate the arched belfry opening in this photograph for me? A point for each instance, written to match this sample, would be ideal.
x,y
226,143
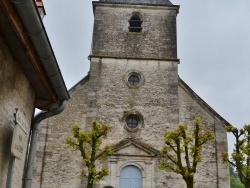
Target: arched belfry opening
x,y
135,23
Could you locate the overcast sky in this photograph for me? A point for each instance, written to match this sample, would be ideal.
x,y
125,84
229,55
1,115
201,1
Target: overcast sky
x,y
213,48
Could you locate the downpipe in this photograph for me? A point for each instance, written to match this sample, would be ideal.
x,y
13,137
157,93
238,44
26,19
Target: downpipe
x,y
35,127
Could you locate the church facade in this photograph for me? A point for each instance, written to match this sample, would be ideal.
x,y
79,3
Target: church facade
x,y
133,85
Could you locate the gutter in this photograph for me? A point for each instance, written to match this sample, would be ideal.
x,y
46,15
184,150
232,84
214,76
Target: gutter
x,y
35,127
34,27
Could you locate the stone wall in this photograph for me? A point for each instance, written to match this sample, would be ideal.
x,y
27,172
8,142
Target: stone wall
x,y
15,93
61,166
156,40
156,99
56,164
211,171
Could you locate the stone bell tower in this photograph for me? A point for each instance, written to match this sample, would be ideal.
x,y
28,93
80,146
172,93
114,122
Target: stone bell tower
x,y
130,29
134,40
133,82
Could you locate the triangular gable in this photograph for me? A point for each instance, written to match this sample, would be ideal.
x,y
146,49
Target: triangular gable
x,y
184,86
132,147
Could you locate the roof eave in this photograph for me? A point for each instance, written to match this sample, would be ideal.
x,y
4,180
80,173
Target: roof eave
x,y
94,3
202,102
32,39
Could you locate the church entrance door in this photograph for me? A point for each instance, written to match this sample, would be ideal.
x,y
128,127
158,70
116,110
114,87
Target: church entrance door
x,y
130,177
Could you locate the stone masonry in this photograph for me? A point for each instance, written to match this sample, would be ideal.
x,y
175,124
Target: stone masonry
x,y
15,93
162,101
157,39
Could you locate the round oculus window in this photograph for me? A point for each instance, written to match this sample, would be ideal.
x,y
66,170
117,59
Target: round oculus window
x,y
133,80
132,121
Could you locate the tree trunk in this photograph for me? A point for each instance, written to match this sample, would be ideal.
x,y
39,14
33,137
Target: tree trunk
x,y
90,181
90,185
190,182
247,184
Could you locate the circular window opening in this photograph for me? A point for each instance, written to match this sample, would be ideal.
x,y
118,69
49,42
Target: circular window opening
x,y
133,80
132,121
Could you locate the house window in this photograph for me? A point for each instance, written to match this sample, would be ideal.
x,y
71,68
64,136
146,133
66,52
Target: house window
x,y
130,177
135,23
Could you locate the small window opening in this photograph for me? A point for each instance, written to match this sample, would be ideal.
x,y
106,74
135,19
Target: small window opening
x,y
133,80
132,121
135,23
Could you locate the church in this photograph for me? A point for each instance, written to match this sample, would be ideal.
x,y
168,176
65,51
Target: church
x,y
133,85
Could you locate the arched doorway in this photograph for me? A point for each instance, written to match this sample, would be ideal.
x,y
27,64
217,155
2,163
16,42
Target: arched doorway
x,y
130,177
